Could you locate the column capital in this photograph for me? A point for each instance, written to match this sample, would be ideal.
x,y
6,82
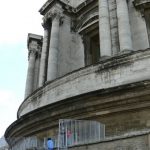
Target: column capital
x,y
45,24
34,44
33,49
53,14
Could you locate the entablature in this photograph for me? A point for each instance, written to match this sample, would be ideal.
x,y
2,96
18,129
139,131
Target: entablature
x,y
35,37
80,14
34,44
49,4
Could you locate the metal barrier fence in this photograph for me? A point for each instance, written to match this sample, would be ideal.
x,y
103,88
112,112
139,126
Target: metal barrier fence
x,y
70,133
75,132
26,143
31,143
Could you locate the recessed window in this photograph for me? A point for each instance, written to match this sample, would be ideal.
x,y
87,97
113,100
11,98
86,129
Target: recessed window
x,y
91,44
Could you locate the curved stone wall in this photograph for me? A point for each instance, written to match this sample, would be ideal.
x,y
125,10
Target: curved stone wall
x,y
119,70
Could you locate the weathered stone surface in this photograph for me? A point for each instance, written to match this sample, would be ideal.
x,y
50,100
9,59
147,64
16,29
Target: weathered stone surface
x,y
125,38
73,3
133,143
104,29
75,80
120,70
105,106
34,51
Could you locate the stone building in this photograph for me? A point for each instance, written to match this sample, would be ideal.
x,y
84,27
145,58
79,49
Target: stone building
x,y
92,63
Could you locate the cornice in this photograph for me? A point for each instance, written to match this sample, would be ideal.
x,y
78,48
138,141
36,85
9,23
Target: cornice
x,y
49,4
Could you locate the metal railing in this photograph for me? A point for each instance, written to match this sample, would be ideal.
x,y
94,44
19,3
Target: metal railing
x,y
70,133
28,143
75,132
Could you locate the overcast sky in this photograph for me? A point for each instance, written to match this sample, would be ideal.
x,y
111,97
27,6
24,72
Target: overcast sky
x,y
17,19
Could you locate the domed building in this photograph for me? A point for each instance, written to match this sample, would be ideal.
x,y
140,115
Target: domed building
x,y
93,64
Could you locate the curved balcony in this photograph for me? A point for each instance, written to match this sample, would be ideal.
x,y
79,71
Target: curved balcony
x,y
117,71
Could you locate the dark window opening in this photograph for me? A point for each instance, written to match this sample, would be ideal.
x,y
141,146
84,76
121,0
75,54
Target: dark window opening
x,y
91,46
147,18
95,49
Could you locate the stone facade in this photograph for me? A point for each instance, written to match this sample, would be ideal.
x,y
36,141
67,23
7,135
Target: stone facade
x,y
138,142
91,63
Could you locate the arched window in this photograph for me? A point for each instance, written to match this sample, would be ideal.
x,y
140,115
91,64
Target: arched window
x,y
89,29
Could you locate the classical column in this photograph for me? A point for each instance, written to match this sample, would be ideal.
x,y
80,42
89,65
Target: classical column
x,y
53,49
42,73
114,27
36,70
30,72
124,25
104,29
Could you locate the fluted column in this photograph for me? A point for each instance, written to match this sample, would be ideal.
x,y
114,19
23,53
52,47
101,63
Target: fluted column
x,y
30,72
53,49
124,25
104,29
42,73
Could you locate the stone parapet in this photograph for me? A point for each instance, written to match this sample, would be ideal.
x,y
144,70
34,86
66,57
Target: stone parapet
x,y
116,71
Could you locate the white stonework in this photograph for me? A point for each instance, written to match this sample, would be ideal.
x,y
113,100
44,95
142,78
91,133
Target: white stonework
x,y
138,28
53,50
42,74
124,25
30,72
120,26
104,29
34,51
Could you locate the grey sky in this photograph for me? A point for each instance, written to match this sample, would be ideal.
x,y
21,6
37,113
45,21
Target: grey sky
x,y
18,18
